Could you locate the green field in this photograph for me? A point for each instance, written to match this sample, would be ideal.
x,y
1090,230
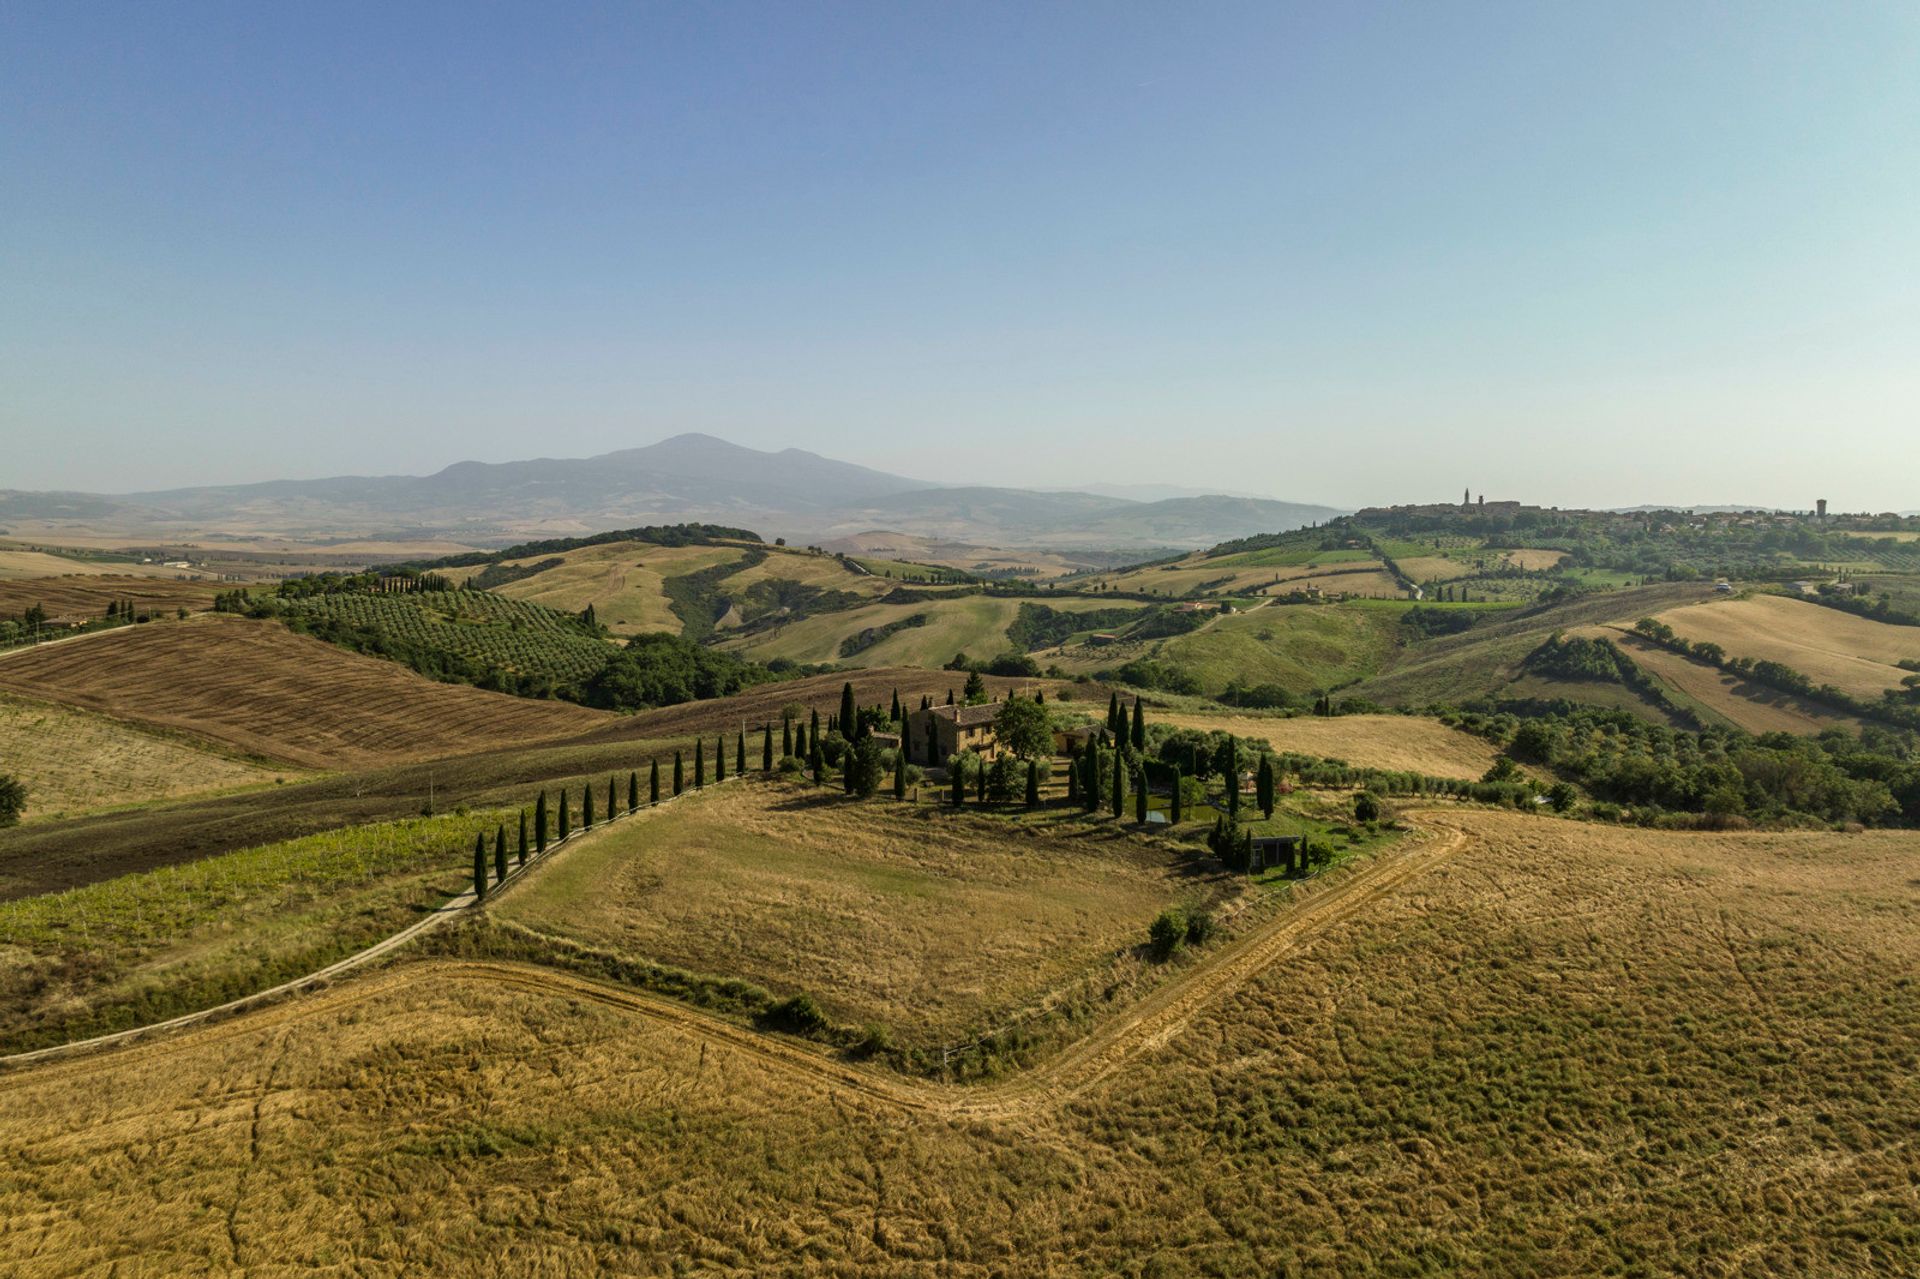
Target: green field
x,y
971,624
1300,647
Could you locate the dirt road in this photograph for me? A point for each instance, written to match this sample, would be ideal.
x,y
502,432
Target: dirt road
x,y
1155,1021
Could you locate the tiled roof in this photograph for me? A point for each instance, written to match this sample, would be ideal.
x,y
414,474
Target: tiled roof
x,y
965,716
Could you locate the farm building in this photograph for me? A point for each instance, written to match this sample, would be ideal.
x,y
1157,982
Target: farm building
x,y
940,731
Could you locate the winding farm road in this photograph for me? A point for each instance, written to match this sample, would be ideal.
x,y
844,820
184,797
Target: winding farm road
x,y
1154,1021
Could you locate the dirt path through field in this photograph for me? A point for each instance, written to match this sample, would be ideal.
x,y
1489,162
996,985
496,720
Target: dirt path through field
x,y
1155,1021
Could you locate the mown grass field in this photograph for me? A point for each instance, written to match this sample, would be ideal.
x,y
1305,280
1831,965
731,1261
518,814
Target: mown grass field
x,y
932,923
73,761
257,688
1564,1050
1852,653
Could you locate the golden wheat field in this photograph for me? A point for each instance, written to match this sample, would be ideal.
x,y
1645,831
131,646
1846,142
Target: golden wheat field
x,y
1559,1049
1753,707
1855,654
257,688
624,581
1404,742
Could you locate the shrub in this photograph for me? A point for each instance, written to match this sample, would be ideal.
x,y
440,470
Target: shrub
x,y
1166,933
1366,807
797,1015
1200,928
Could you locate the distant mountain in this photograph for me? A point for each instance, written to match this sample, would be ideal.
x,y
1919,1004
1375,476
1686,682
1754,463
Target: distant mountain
x,y
1159,492
790,493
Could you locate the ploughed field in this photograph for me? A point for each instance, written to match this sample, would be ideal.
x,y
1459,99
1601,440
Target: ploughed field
x,y
1559,1049
257,688
88,596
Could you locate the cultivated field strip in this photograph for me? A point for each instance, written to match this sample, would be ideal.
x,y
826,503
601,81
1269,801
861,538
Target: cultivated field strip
x,y
1152,1023
88,596
259,688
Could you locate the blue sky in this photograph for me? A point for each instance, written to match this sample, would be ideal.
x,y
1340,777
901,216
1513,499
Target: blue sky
x,y
1574,254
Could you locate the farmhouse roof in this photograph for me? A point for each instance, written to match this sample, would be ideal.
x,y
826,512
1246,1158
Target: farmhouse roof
x,y
966,715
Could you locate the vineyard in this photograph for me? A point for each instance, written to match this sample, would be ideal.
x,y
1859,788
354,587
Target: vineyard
x,y
486,633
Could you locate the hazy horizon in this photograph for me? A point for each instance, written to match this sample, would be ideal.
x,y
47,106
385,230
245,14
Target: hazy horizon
x,y
1602,257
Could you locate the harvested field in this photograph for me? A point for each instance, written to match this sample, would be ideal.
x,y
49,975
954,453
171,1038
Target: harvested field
x,y
89,596
1566,1050
1396,742
32,564
1855,654
1532,559
1753,707
622,580
260,689
971,624
933,923
72,761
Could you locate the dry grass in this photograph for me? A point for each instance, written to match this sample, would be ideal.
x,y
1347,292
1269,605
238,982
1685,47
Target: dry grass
x,y
1399,742
1753,707
32,564
260,689
1828,646
622,580
1567,1051
73,761
89,596
935,924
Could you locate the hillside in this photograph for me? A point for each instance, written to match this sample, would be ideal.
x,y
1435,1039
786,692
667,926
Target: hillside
x,y
255,687
1462,1065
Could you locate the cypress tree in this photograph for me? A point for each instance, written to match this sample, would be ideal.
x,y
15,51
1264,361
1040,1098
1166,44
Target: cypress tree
x,y
1113,713
720,758
959,780
894,715
847,713
800,743
1040,696
818,762
766,749
1139,725
633,792
699,763
613,808
1263,786
679,773
786,738
653,782
926,702
949,697
1233,779
586,807
564,832
1033,783
480,867
1073,773
900,773
1090,778
813,726
1173,817
523,837
1140,798
1119,785
540,823
500,852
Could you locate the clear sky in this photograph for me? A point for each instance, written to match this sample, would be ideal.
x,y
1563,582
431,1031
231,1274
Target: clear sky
x,y
1603,253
